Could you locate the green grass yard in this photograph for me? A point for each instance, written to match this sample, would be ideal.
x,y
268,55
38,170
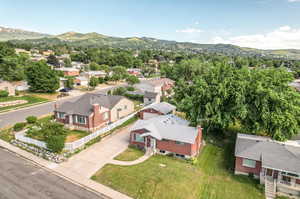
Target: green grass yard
x,y
130,154
30,101
169,178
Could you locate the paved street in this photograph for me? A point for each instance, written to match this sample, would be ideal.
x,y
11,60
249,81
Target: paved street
x,y
13,117
20,179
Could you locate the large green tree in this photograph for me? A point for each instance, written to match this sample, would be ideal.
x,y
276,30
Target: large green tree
x,y
41,78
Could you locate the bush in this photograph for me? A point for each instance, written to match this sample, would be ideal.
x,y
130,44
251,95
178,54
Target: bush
x,y
193,160
31,119
130,88
56,143
134,97
119,91
3,93
19,126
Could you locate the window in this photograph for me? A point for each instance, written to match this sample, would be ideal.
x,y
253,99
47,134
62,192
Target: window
x,y
81,119
138,138
105,116
249,163
179,143
286,179
61,115
125,107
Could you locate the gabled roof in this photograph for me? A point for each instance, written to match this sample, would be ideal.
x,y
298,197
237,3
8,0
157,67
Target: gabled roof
x,y
283,156
163,107
84,105
168,127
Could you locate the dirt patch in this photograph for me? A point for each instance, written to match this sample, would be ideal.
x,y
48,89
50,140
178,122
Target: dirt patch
x,y
72,138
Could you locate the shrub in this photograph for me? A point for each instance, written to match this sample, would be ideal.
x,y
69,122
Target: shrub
x,y
56,143
193,160
19,126
130,88
134,97
3,93
119,91
31,119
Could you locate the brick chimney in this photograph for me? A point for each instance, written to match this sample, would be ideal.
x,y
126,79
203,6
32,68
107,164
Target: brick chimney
x,y
96,109
199,137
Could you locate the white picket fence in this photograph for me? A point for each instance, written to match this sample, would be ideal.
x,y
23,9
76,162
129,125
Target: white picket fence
x,y
21,136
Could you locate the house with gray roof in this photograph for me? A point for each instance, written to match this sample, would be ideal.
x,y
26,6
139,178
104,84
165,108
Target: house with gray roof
x,y
156,109
93,111
276,164
167,134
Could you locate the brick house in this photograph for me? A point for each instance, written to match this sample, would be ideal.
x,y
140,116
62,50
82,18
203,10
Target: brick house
x,y
69,71
151,97
156,109
92,111
162,86
276,164
167,134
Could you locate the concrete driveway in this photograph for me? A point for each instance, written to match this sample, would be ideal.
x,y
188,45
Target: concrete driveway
x,y
89,161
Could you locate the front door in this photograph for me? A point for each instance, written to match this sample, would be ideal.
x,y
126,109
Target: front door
x,y
269,172
148,142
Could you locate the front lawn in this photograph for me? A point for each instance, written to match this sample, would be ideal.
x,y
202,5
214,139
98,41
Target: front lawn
x,y
74,135
169,178
30,101
130,154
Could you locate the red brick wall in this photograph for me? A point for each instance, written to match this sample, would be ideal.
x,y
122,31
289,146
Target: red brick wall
x,y
149,110
171,146
97,119
298,181
71,73
240,168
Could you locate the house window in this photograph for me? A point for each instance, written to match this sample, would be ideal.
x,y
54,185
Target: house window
x,y
105,116
249,163
179,143
81,119
125,107
286,179
61,115
138,138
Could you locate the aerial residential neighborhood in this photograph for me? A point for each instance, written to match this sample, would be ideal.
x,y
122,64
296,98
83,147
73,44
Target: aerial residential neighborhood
x,y
150,100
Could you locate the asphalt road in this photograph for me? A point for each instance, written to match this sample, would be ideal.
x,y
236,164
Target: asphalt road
x,y
10,118
20,179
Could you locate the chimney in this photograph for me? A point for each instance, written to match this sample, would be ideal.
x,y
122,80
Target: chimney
x,y
96,108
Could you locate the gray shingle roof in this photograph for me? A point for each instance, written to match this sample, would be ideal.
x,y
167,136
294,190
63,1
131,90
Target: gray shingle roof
x,y
284,156
84,105
163,107
168,127
150,94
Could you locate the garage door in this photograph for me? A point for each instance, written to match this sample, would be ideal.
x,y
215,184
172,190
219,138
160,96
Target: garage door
x,y
149,115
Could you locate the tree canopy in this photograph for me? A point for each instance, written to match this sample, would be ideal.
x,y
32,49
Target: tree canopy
x,y
41,78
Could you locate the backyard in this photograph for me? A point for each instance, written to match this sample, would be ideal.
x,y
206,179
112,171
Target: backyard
x,y
30,100
169,178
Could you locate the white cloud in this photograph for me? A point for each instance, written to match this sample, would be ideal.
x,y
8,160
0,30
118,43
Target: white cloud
x,y
190,30
284,37
292,1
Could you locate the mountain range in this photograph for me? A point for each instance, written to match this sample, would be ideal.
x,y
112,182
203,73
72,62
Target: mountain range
x,y
94,39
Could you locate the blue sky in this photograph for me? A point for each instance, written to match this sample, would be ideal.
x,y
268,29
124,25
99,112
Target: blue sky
x,y
253,23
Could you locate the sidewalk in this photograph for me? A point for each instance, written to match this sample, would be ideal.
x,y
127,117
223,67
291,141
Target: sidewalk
x,y
82,166
145,157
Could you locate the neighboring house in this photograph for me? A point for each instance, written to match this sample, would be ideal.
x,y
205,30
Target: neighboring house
x,y
92,111
90,74
48,53
9,87
167,134
19,50
21,86
81,81
276,164
151,97
159,85
134,71
296,84
37,57
69,71
157,109
78,65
